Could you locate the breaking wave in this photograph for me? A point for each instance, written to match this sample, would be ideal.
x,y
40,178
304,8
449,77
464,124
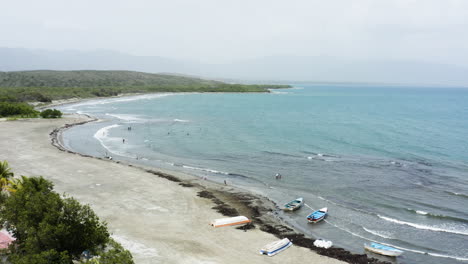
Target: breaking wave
x,y
426,227
429,214
378,233
402,248
205,169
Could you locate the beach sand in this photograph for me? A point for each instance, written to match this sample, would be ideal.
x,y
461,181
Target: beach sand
x,y
158,220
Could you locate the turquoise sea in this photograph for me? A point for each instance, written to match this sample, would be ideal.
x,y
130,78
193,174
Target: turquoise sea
x,y
390,163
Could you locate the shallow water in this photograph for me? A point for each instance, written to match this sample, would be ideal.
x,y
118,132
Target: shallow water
x,y
390,163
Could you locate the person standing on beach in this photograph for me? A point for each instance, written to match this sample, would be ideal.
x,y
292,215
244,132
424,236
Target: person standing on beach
x,y
123,140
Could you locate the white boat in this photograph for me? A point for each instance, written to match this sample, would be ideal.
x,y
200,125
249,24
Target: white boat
x,y
317,216
383,250
237,220
275,247
294,204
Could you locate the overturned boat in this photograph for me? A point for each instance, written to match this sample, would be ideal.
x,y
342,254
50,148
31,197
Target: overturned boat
x,y
276,247
237,220
383,250
317,216
294,204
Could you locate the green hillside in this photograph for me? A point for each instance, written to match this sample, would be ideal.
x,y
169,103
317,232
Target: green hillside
x,y
94,79
45,86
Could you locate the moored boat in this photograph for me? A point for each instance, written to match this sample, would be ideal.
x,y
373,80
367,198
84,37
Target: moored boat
x,y
294,204
383,250
276,247
317,216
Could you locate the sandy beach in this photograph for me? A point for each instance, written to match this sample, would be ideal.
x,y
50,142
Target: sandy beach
x,y
158,220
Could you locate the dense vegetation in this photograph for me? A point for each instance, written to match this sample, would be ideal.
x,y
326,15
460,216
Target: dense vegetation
x,y
50,228
44,86
17,109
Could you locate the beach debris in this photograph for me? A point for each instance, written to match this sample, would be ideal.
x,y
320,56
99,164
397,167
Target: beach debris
x,y
237,220
275,247
323,243
6,238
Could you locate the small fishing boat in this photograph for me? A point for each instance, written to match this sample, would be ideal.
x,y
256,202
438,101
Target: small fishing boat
x,y
237,220
383,250
294,204
317,216
275,247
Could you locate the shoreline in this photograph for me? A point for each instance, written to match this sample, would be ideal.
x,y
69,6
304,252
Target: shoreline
x,y
61,102
230,201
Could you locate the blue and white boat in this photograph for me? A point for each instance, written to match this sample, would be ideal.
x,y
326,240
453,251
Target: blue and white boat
x,y
383,250
317,216
275,247
294,204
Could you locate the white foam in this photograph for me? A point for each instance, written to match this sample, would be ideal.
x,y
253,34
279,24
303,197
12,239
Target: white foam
x,y
181,120
421,212
425,227
203,169
102,135
128,118
379,233
119,99
402,248
427,253
136,247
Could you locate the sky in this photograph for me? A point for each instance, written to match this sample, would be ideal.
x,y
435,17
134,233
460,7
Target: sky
x,y
214,31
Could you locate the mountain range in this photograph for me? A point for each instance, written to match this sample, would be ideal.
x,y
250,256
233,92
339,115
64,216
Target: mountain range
x,y
267,69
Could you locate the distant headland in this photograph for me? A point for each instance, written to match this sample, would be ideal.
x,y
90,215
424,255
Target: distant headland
x,y
45,85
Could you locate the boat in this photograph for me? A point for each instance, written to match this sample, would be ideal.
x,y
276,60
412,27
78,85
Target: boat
x,y
237,220
317,216
276,247
383,249
294,204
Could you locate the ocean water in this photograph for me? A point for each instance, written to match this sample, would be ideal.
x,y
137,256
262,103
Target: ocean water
x,y
390,163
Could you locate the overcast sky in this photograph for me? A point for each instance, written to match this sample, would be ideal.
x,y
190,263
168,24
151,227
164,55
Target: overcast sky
x,y
221,30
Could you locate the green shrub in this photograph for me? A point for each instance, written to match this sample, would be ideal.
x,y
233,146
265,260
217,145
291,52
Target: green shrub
x,y
51,113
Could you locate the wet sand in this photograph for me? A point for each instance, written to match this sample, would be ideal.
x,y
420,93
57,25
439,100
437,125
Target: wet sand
x,y
160,216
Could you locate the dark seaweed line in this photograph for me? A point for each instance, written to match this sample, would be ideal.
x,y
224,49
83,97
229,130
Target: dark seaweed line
x,y
282,231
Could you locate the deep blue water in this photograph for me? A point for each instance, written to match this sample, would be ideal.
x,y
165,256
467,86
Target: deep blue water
x,y
390,163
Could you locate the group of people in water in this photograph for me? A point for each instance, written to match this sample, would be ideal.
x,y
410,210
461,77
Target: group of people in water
x,y
278,176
